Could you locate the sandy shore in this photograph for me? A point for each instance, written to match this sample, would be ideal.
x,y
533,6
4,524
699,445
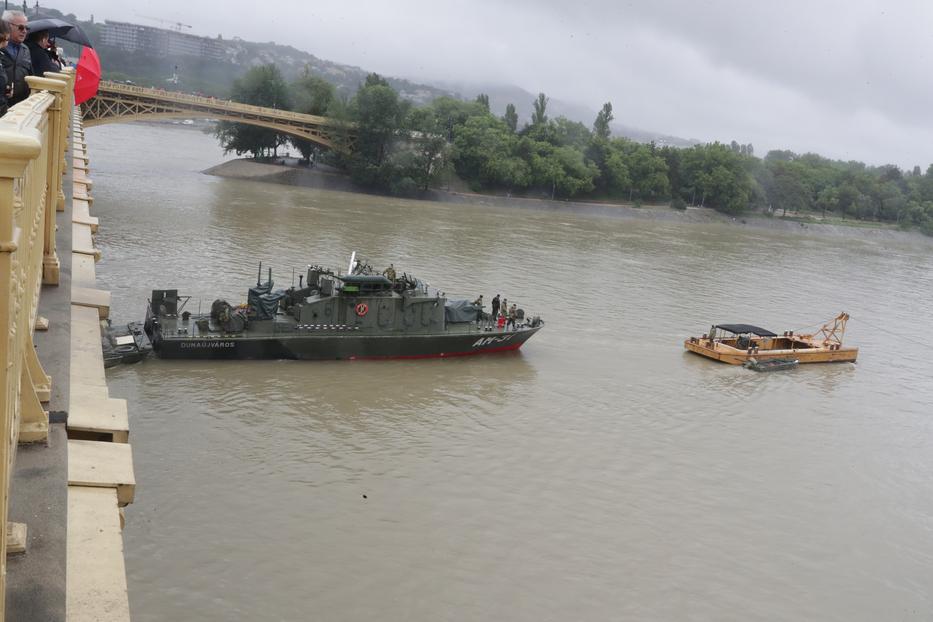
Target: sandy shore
x,y
326,178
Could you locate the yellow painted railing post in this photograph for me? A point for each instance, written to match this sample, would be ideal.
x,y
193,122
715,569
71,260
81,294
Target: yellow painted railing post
x,y
68,106
29,179
19,147
9,397
58,87
34,420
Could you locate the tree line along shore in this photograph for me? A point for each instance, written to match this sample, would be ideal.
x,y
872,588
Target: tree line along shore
x,y
403,150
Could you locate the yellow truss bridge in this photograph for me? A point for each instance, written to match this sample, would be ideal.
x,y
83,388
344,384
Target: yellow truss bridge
x,y
116,102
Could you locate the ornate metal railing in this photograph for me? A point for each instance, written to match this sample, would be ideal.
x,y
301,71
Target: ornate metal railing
x,y
33,137
117,102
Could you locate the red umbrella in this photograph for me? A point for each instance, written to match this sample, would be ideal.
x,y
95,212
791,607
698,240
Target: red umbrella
x,y
87,76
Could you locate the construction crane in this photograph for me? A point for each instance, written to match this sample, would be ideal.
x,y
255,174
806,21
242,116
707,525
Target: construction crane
x,y
176,26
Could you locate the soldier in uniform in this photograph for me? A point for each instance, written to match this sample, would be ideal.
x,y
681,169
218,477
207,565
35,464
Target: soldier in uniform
x,y
479,303
389,272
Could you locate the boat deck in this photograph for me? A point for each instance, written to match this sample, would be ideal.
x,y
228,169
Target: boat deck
x,y
283,338
767,348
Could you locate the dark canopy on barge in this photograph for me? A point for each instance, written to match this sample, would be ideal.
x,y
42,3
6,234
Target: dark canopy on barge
x,y
745,329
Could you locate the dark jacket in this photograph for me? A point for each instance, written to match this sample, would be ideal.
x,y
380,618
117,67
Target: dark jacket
x,y
16,72
41,59
4,59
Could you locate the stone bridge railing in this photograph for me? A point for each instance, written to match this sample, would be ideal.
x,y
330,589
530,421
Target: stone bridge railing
x,y
33,137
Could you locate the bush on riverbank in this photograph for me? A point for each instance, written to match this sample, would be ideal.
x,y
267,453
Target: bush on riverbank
x,y
404,150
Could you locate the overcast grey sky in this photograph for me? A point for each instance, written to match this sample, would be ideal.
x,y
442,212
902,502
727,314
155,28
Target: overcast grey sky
x,y
846,79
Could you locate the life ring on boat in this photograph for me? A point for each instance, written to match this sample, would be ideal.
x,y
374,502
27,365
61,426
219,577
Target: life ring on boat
x,y
362,309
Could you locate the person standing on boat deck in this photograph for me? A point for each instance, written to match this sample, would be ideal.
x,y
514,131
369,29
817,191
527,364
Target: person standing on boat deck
x,y
495,306
389,272
513,315
18,62
479,303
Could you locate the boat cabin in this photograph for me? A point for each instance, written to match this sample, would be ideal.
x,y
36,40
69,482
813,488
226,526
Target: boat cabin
x,y
744,336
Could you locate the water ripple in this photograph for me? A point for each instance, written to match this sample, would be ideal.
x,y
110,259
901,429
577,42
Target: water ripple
x,y
601,473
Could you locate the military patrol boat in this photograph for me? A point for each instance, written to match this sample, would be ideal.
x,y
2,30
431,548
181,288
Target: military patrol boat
x,y
358,315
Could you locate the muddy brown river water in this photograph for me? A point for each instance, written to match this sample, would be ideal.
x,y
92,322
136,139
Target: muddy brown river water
x,y
599,474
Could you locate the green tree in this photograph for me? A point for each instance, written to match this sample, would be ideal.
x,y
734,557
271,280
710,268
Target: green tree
x,y
672,157
452,113
374,79
780,155
715,175
847,197
539,116
789,191
603,119
483,100
827,199
260,86
427,151
726,191
312,95
558,171
485,155
413,169
511,118
566,133
647,169
379,115
891,201
618,182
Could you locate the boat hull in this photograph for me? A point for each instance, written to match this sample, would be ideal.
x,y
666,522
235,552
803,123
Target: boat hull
x,y
727,354
320,347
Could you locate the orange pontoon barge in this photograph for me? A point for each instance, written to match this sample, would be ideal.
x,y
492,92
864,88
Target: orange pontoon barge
x,y
737,344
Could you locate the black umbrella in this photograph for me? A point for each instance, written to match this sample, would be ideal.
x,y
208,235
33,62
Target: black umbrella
x,y
60,29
